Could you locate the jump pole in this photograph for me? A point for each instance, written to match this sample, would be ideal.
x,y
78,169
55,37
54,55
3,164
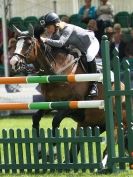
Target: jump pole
x,y
53,105
52,78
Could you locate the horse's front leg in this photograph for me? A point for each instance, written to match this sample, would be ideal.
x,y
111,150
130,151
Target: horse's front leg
x,y
77,146
57,119
59,116
36,117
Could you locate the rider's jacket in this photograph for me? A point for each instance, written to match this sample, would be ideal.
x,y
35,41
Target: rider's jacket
x,y
73,35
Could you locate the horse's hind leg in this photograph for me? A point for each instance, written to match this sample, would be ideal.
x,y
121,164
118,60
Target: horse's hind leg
x,y
105,157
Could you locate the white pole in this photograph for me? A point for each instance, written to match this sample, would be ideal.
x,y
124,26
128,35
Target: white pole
x,y
4,28
91,104
75,6
55,6
10,9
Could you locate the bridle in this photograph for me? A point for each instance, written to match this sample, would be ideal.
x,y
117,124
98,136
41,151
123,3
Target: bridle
x,y
27,53
23,58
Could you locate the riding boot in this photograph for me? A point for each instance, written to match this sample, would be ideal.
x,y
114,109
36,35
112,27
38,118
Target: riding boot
x,y
93,90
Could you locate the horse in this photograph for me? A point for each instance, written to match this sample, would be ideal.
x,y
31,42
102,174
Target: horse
x,y
48,60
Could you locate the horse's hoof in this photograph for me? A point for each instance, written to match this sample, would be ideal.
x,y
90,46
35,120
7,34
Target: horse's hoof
x,y
39,155
104,171
104,161
70,161
48,157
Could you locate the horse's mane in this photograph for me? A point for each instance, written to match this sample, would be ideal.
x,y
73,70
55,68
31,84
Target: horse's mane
x,y
38,31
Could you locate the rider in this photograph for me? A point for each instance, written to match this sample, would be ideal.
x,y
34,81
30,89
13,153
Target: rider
x,y
71,35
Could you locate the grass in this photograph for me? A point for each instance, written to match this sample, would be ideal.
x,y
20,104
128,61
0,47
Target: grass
x,y
71,174
22,122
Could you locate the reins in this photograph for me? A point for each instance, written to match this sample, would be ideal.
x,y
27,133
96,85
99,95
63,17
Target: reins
x,y
46,52
61,70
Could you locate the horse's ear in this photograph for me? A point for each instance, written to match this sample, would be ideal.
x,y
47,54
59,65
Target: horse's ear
x,y
16,30
31,30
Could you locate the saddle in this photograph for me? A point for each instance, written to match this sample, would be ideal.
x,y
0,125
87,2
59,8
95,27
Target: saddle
x,y
78,57
81,56
71,53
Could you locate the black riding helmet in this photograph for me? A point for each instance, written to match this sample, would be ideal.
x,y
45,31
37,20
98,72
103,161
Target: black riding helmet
x,y
49,19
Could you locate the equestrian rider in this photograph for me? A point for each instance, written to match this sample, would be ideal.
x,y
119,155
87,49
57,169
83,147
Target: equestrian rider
x,y
71,35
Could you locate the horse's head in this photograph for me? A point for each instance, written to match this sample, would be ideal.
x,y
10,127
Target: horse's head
x,y
24,48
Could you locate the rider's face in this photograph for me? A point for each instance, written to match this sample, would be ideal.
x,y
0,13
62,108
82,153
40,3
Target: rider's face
x,y
50,29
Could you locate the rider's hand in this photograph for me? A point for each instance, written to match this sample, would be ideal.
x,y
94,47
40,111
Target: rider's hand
x,y
43,39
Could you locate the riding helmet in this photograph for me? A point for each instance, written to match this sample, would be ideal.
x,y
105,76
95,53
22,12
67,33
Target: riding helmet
x,y
49,19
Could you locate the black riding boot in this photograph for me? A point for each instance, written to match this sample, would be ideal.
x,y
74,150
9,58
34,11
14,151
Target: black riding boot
x,y
92,69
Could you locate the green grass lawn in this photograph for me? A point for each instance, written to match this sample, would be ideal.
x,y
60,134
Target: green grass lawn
x,y
22,122
71,174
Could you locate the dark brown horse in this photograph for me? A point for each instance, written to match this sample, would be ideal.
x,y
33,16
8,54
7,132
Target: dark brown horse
x,y
56,61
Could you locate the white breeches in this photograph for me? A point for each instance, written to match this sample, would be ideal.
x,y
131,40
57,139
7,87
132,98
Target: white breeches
x,y
93,49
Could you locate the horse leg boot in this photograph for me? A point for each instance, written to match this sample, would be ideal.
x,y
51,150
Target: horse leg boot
x,y
91,68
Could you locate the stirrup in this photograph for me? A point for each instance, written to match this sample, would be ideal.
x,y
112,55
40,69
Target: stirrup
x,y
93,92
